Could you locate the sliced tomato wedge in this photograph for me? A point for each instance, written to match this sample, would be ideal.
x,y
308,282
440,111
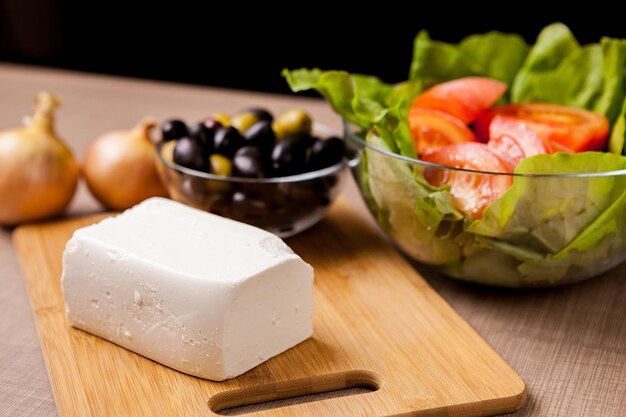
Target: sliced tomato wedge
x,y
509,146
566,128
483,123
433,129
516,140
465,98
472,192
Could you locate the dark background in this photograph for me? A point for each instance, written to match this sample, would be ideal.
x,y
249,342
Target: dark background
x,y
242,46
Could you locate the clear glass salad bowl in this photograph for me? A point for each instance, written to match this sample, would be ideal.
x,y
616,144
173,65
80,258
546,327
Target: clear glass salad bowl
x,y
284,206
546,230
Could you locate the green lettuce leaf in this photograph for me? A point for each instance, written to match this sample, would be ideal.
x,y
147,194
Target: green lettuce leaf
x,y
559,70
393,127
435,208
360,99
493,54
364,101
613,91
618,133
554,43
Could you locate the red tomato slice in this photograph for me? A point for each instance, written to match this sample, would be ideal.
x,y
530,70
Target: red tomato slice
x,y
483,123
509,146
472,192
464,98
566,128
433,129
516,140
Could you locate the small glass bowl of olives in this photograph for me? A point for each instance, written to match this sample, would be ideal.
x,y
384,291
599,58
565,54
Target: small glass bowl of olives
x,y
280,174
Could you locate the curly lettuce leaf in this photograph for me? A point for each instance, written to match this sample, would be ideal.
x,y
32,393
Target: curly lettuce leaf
x,y
493,54
358,98
613,92
553,44
559,70
364,101
618,133
435,208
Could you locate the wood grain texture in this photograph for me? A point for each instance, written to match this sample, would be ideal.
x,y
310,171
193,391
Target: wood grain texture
x,y
373,314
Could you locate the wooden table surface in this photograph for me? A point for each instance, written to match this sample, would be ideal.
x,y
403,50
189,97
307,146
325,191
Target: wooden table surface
x,y
568,344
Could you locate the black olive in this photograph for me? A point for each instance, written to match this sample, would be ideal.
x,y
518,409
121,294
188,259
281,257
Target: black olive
x,y
173,129
227,140
249,162
212,124
289,156
261,135
325,153
192,154
260,113
203,134
304,139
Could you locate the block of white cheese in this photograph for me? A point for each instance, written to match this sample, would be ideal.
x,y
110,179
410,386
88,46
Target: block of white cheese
x,y
202,294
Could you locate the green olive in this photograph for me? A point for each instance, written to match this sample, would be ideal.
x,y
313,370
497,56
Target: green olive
x,y
220,165
243,121
167,151
223,118
291,123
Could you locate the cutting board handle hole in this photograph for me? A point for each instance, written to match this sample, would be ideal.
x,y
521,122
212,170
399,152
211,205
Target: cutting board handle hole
x,y
310,389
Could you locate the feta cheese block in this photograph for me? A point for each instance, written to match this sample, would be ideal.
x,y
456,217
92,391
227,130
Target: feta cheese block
x,y
199,293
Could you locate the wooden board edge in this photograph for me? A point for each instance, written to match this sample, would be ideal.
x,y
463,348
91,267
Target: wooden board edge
x,y
497,406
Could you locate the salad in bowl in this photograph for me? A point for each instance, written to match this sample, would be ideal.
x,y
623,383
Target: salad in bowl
x,y
497,162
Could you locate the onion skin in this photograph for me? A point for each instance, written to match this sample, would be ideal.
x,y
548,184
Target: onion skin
x,y
38,174
120,167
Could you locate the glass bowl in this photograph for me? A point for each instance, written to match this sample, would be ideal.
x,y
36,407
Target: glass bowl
x,y
553,229
284,206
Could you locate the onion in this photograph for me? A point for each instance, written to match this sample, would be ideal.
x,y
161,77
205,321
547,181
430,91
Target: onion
x,y
38,173
120,167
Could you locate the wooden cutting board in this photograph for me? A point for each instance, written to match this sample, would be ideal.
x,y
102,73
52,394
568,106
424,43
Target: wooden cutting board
x,y
378,325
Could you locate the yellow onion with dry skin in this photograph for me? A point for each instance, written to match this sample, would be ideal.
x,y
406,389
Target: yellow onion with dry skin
x,y
38,174
120,167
